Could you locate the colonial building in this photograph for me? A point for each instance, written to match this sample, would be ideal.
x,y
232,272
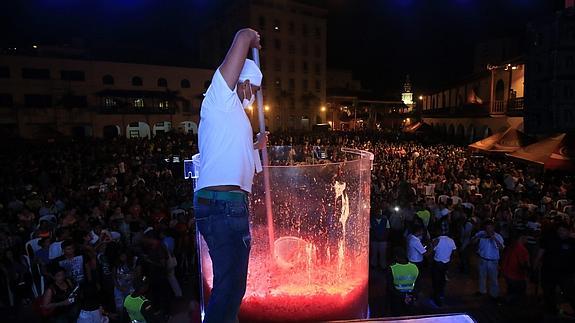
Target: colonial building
x,y
480,105
350,107
43,96
550,78
293,57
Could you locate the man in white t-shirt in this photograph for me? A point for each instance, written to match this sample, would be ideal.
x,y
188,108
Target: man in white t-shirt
x,y
416,251
228,160
443,247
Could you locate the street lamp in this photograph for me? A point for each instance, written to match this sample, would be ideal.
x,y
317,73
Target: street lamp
x,y
267,108
420,97
322,109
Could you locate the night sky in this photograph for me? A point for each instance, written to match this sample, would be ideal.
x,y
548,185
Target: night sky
x,y
381,41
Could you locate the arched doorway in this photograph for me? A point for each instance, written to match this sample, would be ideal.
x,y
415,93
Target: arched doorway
x,y
487,132
111,131
451,130
189,127
471,133
460,132
162,127
138,130
500,90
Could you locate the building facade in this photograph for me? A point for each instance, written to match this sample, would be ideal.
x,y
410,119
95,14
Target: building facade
x,y
293,57
486,102
42,96
350,107
550,79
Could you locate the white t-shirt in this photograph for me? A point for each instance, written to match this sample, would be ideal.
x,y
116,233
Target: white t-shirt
x,y
225,139
415,249
444,249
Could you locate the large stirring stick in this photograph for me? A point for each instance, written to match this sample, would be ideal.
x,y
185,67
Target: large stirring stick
x,y
268,197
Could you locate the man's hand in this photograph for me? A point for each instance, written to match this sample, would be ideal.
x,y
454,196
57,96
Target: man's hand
x,y
255,40
234,61
261,140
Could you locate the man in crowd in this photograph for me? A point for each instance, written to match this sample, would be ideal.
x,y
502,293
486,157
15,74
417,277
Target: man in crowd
x,y
515,268
416,251
401,283
556,259
490,244
443,247
379,234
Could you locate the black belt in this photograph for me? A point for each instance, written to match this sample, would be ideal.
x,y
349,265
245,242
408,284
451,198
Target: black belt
x,y
488,259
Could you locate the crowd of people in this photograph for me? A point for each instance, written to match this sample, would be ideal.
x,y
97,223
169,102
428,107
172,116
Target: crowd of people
x,y
90,228
88,224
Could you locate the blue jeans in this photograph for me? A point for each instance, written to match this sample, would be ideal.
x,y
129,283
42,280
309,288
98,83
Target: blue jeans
x,y
488,270
225,227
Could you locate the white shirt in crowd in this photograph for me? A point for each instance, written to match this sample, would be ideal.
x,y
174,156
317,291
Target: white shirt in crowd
x,y
488,248
415,249
225,139
444,248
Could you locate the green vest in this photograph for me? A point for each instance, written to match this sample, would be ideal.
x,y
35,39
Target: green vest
x,y
404,277
424,215
133,306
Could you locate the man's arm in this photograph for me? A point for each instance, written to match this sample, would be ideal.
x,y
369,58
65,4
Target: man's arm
x,y
236,56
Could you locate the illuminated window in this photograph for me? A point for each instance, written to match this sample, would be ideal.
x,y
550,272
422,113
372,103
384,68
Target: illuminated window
x,y
164,104
109,102
138,103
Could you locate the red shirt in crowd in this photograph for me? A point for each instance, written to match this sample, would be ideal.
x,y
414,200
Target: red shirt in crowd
x,y
515,261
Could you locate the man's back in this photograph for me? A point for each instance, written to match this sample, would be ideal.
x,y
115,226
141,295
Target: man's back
x,y
225,139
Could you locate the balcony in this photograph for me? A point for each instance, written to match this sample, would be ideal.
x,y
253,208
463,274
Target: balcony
x,y
498,107
515,106
512,107
136,110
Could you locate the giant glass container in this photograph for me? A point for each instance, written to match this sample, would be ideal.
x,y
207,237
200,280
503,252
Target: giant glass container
x,y
316,267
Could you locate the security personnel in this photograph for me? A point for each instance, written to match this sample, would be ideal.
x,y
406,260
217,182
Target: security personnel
x,y
137,305
401,282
